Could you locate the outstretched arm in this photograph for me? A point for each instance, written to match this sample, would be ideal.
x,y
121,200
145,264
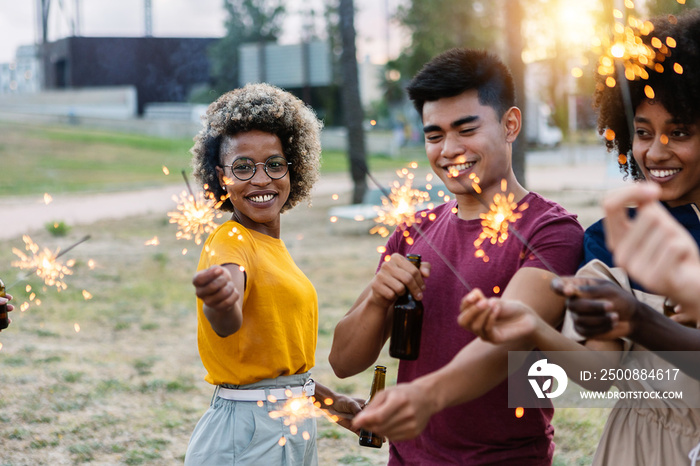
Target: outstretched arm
x,y
361,334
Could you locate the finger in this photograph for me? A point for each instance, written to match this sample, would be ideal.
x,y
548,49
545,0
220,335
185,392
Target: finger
x,y
590,327
590,307
470,312
615,205
586,289
205,276
425,269
644,238
684,318
572,286
399,275
227,296
215,286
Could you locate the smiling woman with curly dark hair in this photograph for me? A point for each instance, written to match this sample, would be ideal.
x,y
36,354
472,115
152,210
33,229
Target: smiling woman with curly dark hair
x,y
265,108
257,313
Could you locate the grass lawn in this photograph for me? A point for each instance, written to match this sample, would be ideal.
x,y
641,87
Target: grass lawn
x,y
60,159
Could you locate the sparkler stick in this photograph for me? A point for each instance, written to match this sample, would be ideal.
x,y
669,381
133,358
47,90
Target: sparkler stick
x,y
189,188
194,219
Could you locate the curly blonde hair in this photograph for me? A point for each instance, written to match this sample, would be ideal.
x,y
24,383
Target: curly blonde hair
x,y
267,108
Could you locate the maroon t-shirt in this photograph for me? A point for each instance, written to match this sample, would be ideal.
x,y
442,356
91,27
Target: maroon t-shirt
x,y
483,431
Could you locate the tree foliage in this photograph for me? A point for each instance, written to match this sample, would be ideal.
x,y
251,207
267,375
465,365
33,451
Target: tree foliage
x,y
438,25
247,21
664,7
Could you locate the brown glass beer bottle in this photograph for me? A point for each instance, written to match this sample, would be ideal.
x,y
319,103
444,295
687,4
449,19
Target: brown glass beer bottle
x,y
408,322
368,439
4,320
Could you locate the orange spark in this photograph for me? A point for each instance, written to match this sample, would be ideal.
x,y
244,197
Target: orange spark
x,y
47,198
152,242
165,170
87,295
76,326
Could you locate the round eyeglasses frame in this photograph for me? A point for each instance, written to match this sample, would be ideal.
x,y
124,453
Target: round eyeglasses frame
x,y
265,164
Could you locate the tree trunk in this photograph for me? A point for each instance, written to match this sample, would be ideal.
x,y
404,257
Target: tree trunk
x,y
514,40
352,106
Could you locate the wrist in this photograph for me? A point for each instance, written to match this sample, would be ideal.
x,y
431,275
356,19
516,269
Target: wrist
x,y
640,318
430,388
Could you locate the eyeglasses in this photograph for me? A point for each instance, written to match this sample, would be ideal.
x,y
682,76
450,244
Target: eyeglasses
x,y
275,167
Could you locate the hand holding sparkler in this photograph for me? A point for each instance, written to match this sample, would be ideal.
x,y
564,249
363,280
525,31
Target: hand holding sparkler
x,y
600,308
398,413
5,308
218,288
498,320
342,409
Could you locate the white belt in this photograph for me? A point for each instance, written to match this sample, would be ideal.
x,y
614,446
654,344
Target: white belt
x,y
272,394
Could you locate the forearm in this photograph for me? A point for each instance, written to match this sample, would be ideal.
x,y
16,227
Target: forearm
x,y
687,290
358,338
675,342
562,350
474,371
224,322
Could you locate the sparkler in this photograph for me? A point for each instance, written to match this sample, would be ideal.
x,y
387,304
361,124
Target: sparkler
x,y
399,206
44,263
419,230
497,222
297,409
195,214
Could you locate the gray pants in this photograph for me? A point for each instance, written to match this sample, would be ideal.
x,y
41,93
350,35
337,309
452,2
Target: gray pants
x,y
243,433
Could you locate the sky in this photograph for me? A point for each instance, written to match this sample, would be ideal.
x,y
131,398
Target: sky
x,y
178,18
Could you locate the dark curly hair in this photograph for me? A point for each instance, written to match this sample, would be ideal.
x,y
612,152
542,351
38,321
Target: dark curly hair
x,y
678,92
265,108
459,70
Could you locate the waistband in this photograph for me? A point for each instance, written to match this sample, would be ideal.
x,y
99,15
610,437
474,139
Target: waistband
x,y
280,388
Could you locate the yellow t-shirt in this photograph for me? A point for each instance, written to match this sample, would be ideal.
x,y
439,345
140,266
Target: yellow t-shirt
x,y
280,311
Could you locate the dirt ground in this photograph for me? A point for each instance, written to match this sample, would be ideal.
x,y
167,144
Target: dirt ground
x,y
127,387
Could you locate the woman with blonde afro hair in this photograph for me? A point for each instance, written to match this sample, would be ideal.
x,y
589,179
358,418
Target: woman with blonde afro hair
x,y
257,313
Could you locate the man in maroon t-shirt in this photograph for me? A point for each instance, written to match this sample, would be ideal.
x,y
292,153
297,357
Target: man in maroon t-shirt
x,y
451,404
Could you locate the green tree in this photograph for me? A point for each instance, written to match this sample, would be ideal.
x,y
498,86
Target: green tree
x,y
664,7
247,21
438,25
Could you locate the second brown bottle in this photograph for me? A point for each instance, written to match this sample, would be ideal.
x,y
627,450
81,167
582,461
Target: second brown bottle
x,y
408,323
